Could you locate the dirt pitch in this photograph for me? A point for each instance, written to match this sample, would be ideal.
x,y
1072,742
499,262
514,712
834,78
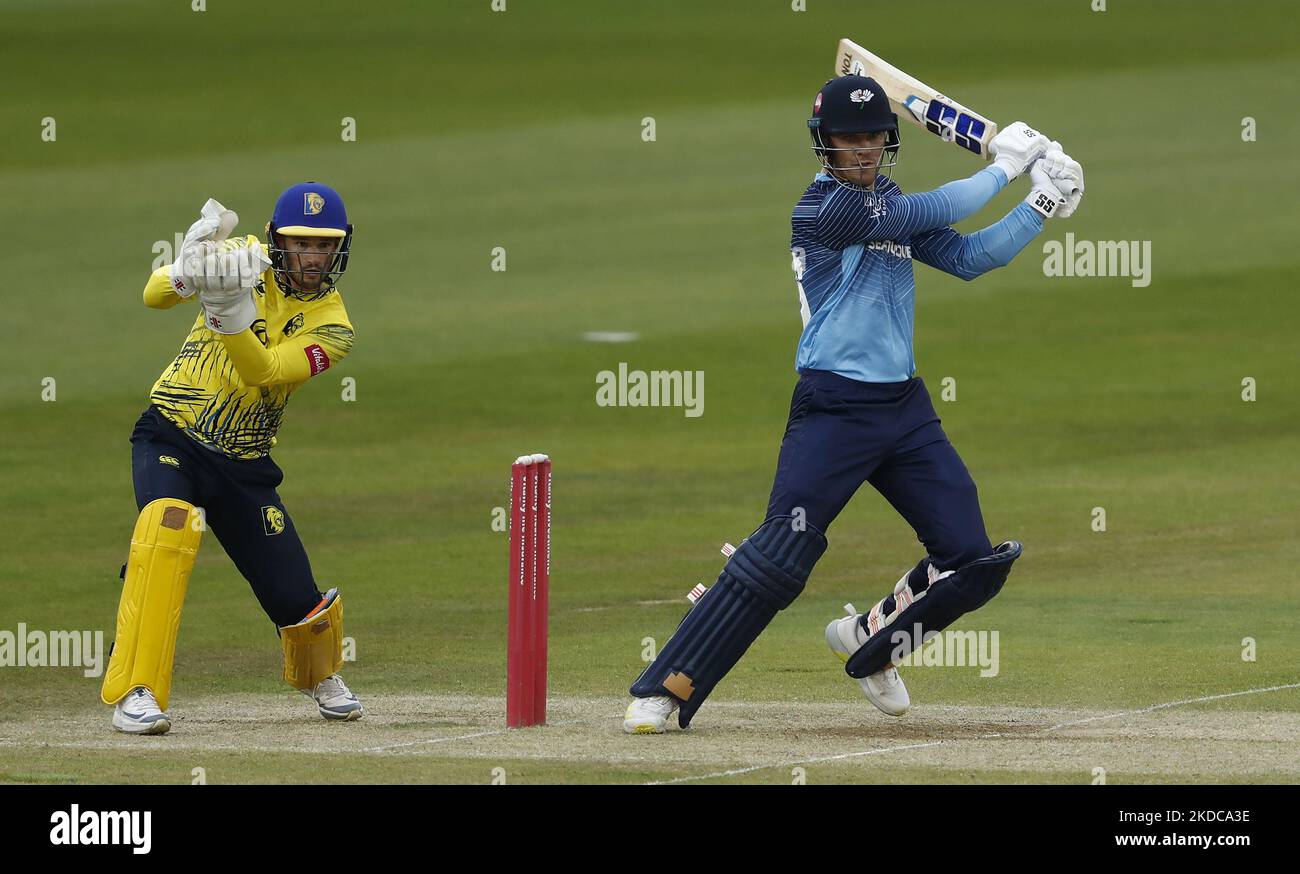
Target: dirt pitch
x,y
458,739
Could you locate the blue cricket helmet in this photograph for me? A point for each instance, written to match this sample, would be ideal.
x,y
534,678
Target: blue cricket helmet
x,y
309,209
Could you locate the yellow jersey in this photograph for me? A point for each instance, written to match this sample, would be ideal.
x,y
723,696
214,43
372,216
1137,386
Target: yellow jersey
x,y
229,391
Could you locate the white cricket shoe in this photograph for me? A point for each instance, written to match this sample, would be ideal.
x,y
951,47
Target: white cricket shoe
x,y
884,688
139,713
649,715
335,700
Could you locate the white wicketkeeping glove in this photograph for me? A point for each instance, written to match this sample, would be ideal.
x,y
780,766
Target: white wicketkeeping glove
x,y
1016,147
190,269
1067,175
228,312
226,292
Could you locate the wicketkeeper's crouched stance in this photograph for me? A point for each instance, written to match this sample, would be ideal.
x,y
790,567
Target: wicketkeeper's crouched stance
x,y
270,319
859,413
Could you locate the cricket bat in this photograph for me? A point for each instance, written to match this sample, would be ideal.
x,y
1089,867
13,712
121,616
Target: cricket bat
x,y
917,102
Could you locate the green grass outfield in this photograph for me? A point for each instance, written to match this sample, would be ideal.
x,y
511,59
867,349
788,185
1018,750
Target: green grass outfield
x,y
523,130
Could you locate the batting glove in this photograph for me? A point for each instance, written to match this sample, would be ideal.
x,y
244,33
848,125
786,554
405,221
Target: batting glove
x,y
1067,175
1044,196
1016,147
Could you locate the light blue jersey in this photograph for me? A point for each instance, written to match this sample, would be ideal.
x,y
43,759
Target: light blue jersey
x,y
853,256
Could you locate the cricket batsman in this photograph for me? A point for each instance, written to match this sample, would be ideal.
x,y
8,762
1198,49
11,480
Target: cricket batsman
x,y
270,318
859,412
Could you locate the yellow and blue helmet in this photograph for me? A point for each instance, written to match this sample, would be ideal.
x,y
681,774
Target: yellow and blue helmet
x,y
309,209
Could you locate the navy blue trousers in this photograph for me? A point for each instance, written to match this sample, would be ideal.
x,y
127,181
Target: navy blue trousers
x,y
241,507
842,433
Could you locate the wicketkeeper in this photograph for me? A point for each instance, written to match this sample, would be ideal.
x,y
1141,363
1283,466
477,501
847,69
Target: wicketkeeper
x,y
270,318
860,413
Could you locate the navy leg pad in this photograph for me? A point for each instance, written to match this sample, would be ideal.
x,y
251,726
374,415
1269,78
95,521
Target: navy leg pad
x,y
766,573
945,601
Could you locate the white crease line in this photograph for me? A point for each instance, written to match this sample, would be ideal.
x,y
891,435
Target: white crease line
x,y
1169,704
441,740
625,606
813,761
172,745
176,744
733,773
435,740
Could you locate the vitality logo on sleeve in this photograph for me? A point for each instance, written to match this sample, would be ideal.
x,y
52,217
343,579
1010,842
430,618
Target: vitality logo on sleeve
x,y
317,358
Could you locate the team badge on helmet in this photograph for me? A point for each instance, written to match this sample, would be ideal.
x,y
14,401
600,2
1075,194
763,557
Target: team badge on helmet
x,y
309,209
853,105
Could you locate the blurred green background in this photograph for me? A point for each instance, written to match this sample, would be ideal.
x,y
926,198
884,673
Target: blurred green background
x,y
522,130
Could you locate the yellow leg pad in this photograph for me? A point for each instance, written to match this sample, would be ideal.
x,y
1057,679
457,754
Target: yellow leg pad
x,y
163,547
313,649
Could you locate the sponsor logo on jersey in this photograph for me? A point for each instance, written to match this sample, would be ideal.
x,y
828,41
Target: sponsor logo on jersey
x,y
898,250
293,325
317,358
167,459
273,520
